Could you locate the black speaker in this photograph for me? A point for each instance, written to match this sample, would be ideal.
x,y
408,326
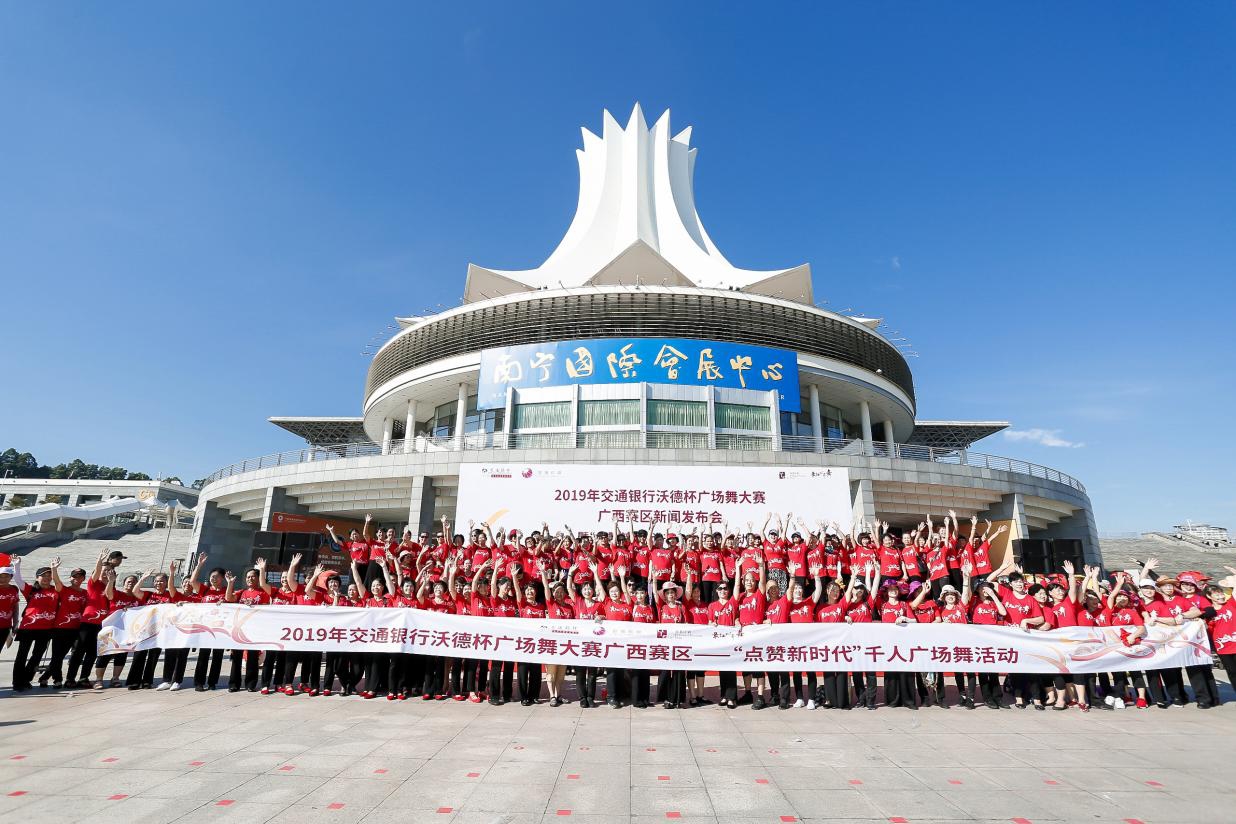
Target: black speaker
x,y
1068,549
1033,554
306,543
268,541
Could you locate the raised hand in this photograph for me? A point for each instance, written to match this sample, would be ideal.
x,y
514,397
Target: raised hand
x,y
230,576
1068,568
55,564
297,558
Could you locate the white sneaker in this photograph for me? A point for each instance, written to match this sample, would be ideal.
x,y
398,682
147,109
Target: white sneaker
x,y
798,705
811,704
174,686
164,686
1110,701
1117,704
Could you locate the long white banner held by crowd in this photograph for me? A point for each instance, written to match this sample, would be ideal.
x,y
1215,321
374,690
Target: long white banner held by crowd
x,y
781,647
589,498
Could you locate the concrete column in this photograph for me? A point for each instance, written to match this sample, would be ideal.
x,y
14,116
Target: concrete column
x,y
817,427
278,500
507,421
863,501
461,414
227,539
889,442
864,410
388,432
409,428
575,416
420,508
712,417
774,408
71,501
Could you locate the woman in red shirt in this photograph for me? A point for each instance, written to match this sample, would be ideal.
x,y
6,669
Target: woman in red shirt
x,y
528,605
68,622
1221,621
338,664
559,608
800,609
248,659
141,673
671,689
85,648
859,609
834,691
34,631
176,660
1123,608
752,606
587,608
279,667
502,604
615,606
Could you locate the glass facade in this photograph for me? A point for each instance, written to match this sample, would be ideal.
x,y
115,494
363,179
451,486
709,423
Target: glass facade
x,y
742,416
541,415
442,424
609,413
677,413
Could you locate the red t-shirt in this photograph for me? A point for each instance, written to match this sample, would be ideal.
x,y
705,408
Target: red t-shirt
x,y
778,612
710,564
672,614
41,605
985,613
1223,628
97,606
1063,614
926,612
954,615
211,595
479,606
890,611
586,611
252,597
697,611
1173,607
359,550
1100,618
643,614
562,610
775,556
722,613
802,612
796,560
1127,617
612,610
817,563
660,559
283,596
860,612
8,603
69,610
1020,608
443,606
751,608
982,558
937,563
527,610
830,613
890,562
503,607
121,600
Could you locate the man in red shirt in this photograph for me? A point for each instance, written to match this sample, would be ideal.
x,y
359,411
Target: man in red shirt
x,y
1221,621
67,624
252,595
36,627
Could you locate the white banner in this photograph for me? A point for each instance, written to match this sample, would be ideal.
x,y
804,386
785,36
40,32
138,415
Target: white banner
x,y
780,647
588,497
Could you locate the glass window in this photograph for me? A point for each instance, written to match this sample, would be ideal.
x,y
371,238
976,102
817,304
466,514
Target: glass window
x,y
725,441
677,413
677,440
743,416
443,423
546,440
609,440
542,415
609,413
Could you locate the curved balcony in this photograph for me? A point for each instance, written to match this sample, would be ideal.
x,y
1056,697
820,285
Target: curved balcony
x,y
637,440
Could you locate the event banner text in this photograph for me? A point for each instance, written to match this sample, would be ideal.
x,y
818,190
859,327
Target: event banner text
x,y
780,647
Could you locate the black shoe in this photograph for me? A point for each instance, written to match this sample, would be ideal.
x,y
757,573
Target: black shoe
x,y
200,688
615,705
641,705
1039,707
131,686
229,689
731,705
871,706
1202,706
758,703
992,705
784,705
525,702
745,698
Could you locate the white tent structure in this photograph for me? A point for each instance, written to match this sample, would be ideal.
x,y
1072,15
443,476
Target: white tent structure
x,y
88,512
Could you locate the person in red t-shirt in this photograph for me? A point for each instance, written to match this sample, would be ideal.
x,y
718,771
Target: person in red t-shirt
x,y
141,673
209,661
1123,606
752,604
1221,621
800,609
529,673
587,608
898,686
559,608
835,687
722,612
502,605
860,609
279,667
68,622
35,628
697,613
615,606
85,650
339,664
176,660
249,659
671,689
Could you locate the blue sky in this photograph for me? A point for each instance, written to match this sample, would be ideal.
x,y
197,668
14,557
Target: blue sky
x,y
208,211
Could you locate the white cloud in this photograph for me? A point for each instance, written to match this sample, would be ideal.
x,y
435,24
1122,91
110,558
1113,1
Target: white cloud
x,y
896,263
1043,437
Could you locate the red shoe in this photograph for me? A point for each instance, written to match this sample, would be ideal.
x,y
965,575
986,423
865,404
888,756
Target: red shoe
x,y
367,695
289,690
474,698
265,690
1084,707
304,688
390,696
314,693
426,697
439,698
1141,704
457,698
403,696
325,692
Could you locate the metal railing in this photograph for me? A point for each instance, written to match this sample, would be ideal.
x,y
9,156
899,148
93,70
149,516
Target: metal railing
x,y
635,440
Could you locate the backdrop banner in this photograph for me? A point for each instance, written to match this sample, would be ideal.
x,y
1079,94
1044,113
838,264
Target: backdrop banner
x,y
779,647
589,498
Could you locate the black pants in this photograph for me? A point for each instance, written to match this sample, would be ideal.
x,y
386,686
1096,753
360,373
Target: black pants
x,y
800,693
834,690
989,682
206,673
864,689
376,670
141,674
1202,680
310,670
116,660
433,675
586,683
475,674
671,687
729,685
1024,686
899,689
338,665
1122,680
399,672
61,645
641,686
85,650
501,680
708,589
1228,660
1166,686
779,687
174,663
248,659
616,685
529,681
273,669
31,644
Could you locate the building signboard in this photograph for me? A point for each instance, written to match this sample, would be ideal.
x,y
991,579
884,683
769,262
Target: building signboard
x,y
676,361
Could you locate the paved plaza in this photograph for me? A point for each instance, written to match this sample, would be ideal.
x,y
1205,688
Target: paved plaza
x,y
149,756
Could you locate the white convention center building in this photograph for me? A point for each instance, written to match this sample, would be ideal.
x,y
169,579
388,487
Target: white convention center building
x,y
635,343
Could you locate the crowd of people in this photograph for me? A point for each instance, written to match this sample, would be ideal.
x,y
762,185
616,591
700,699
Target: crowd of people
x,y
787,571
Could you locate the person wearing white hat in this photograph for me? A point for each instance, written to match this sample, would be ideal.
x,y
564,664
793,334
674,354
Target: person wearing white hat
x,y
671,688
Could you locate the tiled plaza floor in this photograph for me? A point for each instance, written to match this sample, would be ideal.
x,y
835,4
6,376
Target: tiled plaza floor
x,y
119,756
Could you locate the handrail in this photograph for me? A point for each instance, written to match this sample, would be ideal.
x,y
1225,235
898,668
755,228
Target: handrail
x,y
634,440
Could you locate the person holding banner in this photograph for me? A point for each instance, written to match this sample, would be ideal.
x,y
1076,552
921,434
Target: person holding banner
x,y
501,604
671,688
752,609
69,608
310,595
559,608
587,608
177,659
697,613
34,632
615,606
279,668
528,605
141,674
835,691
210,661
117,600
246,663
95,609
339,665
860,609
